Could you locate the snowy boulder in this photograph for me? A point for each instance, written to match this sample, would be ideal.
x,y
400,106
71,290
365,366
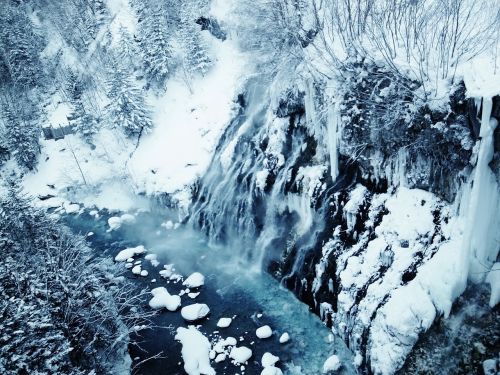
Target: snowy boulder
x,y
241,354
144,273
220,358
163,299
264,332
116,222
331,364
195,351
137,270
271,370
195,280
224,322
269,360
195,311
490,367
285,337
230,341
128,253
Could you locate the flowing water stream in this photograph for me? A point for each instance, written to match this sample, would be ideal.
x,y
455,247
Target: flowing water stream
x,y
231,289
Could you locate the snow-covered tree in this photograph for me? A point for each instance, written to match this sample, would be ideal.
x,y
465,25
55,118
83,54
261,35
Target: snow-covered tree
x,y
195,54
22,128
127,48
20,47
127,109
155,43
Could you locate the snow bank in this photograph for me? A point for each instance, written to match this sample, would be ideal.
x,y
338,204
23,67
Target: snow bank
x,y
195,311
188,124
163,299
129,252
195,351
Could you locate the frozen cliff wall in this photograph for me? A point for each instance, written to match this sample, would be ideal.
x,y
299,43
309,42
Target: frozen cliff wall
x,y
359,204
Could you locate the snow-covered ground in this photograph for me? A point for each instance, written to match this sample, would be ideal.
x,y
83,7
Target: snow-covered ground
x,y
188,118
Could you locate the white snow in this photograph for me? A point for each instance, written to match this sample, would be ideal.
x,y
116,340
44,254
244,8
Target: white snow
x,y
136,270
240,354
195,351
332,364
195,311
128,253
224,322
195,280
189,124
144,273
264,332
163,299
284,338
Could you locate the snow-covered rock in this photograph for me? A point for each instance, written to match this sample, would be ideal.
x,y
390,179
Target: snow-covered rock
x,y
264,332
136,270
195,311
144,273
332,364
220,357
195,351
271,370
269,359
116,222
284,338
240,354
163,299
224,322
129,253
195,280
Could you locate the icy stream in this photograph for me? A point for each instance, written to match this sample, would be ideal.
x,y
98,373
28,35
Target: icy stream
x,y
231,290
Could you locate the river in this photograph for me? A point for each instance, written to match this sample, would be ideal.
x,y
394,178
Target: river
x,y
231,289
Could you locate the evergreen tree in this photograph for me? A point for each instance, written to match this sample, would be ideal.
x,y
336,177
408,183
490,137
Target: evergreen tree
x,y
127,109
127,48
20,47
156,48
196,59
22,131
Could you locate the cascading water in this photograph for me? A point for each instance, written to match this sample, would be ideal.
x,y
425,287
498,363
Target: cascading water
x,y
353,247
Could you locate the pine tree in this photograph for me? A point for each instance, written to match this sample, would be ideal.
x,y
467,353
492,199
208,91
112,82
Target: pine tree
x,y
20,48
195,52
22,131
154,32
127,48
127,109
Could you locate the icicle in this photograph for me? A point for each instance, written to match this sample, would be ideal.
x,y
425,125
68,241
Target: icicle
x,y
482,212
333,124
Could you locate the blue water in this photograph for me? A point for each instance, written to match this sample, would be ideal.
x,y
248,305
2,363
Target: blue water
x,y
230,290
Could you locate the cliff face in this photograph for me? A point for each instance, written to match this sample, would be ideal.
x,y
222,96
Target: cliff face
x,y
351,197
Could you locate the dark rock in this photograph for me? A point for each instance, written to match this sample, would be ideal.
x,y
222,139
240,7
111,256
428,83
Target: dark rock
x,y
213,27
292,103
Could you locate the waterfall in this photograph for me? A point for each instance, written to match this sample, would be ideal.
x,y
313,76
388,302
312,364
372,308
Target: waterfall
x,y
481,207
